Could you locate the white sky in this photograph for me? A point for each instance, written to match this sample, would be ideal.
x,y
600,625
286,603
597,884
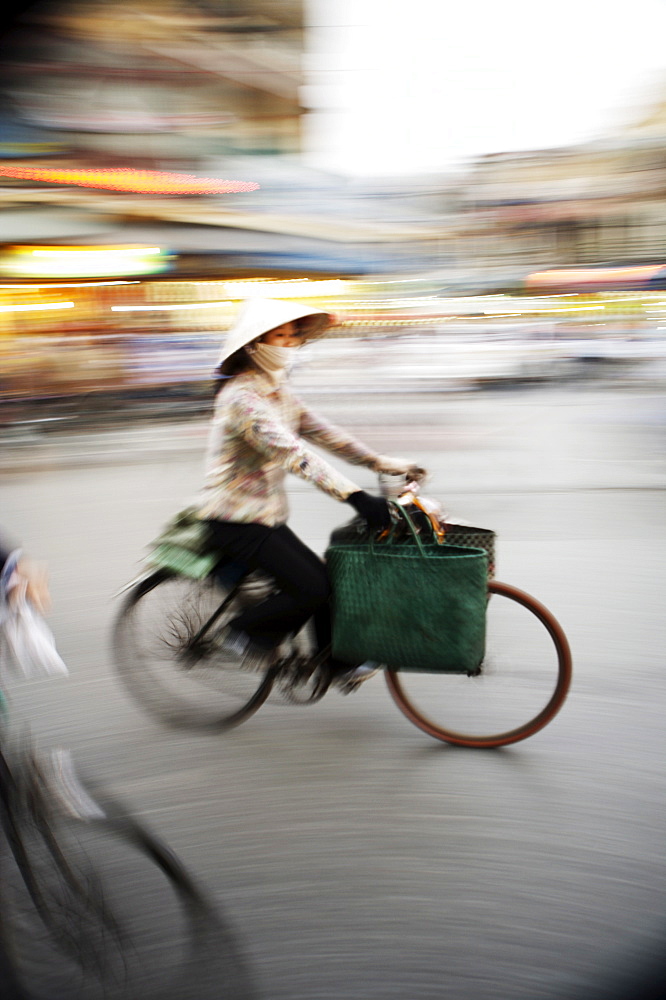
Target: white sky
x,y
409,85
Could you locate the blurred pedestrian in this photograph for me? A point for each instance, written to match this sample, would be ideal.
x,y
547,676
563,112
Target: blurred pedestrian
x,y
259,432
17,573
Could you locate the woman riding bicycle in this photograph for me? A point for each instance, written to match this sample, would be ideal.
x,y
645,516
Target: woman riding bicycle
x,y
258,433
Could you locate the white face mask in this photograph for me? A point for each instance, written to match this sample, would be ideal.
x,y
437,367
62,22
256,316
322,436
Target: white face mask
x,y
275,361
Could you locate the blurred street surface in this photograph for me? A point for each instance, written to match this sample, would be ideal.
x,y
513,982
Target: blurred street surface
x,y
355,856
338,372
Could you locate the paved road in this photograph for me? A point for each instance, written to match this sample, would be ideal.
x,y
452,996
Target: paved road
x,y
356,857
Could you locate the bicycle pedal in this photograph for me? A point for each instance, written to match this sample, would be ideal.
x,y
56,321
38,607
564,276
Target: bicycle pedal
x,y
301,679
295,665
348,688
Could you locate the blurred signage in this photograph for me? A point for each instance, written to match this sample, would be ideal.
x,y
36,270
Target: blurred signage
x,y
82,262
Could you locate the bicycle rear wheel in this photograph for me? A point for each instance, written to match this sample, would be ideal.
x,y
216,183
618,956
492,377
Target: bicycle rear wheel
x,y
522,684
169,658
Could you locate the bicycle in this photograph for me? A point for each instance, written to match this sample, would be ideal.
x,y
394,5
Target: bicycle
x,y
69,927
166,641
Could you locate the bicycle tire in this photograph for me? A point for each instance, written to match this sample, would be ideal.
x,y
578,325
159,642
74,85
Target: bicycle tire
x,y
513,690
72,927
179,679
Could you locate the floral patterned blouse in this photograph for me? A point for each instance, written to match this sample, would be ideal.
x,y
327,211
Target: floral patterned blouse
x,y
257,436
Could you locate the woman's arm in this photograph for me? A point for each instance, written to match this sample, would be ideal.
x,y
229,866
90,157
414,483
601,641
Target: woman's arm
x,y
255,421
336,440
333,438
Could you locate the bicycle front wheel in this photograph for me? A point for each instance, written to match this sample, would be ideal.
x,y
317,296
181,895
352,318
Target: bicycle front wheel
x,y
522,684
167,653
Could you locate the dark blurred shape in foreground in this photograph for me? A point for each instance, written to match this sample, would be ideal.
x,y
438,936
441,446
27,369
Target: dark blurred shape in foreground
x,y
94,905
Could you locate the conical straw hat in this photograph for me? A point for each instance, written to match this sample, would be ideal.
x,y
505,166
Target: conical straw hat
x,y
258,316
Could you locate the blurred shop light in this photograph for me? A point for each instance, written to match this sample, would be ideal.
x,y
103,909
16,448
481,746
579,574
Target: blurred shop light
x,y
81,262
130,180
32,306
589,278
77,284
153,307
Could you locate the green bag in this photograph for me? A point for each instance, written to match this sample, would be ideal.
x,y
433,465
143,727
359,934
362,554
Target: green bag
x,y
184,547
415,607
468,536
465,535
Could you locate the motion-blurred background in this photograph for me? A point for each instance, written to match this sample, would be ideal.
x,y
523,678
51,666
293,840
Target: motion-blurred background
x,y
371,171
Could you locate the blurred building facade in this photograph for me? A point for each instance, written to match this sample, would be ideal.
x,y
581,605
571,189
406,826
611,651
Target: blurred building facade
x,y
211,86
160,80
214,86
598,203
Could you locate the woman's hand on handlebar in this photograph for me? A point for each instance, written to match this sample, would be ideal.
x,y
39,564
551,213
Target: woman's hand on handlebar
x,y
399,467
376,511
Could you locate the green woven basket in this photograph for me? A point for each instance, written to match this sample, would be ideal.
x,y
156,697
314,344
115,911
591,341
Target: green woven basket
x,y
415,607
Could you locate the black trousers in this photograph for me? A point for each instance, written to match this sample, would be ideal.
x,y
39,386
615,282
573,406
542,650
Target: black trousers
x,y
303,591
